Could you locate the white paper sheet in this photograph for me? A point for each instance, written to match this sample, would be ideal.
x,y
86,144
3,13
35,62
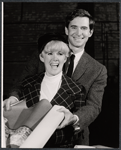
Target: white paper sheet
x,y
44,130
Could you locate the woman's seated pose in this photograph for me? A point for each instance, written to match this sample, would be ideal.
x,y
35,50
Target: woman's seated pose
x,y
54,86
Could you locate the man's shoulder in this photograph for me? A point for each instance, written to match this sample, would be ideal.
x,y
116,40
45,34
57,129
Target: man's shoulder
x,y
92,62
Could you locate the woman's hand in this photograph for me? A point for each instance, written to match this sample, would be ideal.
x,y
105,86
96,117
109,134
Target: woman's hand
x,y
8,102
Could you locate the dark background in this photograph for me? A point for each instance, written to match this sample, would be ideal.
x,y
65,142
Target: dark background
x,y
24,22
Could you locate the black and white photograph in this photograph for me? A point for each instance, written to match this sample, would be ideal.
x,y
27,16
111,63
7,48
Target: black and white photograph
x,y
60,74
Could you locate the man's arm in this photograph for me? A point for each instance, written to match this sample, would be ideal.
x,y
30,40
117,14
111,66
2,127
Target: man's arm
x,y
87,114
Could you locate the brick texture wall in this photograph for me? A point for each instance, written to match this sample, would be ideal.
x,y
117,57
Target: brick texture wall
x,y
106,37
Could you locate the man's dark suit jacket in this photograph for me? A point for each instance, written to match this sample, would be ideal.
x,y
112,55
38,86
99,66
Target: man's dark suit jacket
x,y
70,95
93,76
89,73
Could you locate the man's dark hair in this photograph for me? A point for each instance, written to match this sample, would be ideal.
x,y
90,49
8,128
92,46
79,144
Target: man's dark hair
x,y
80,13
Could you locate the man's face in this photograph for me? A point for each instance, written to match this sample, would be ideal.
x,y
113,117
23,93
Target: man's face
x,y
78,32
54,61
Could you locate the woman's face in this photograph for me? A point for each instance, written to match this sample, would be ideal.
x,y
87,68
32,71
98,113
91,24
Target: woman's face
x,y
54,61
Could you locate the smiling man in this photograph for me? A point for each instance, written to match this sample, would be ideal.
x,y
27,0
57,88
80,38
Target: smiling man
x,y
78,32
79,27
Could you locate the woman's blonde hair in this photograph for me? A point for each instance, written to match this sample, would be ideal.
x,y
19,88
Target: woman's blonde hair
x,y
56,45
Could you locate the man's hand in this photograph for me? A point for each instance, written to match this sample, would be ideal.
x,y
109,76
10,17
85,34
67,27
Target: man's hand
x,y
8,102
69,118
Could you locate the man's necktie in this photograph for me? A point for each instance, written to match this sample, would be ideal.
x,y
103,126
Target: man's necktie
x,y
70,69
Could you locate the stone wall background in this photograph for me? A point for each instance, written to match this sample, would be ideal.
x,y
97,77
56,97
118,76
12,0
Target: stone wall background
x,y
24,22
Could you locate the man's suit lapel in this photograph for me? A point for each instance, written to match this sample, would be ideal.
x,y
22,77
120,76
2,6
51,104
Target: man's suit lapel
x,y
81,67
